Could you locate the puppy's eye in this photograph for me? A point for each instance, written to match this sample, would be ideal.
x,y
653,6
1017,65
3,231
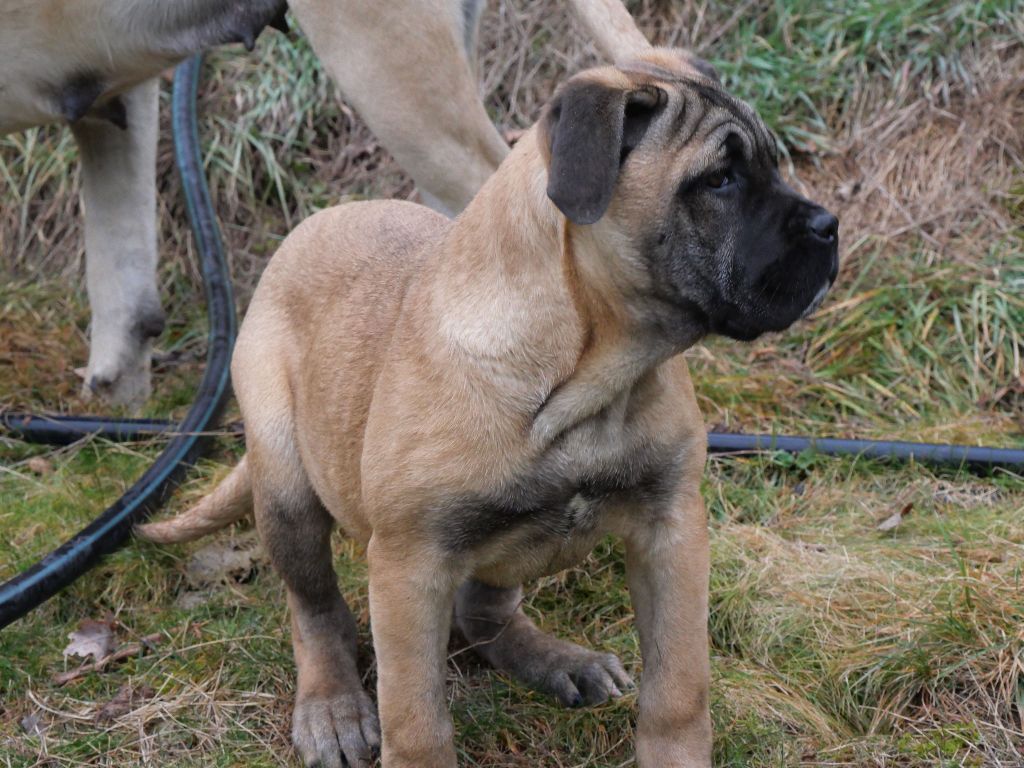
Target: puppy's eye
x,y
719,179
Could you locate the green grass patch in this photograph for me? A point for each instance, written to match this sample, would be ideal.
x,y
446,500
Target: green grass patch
x,y
800,62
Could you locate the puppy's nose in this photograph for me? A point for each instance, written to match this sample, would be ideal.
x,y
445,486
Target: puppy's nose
x,y
822,225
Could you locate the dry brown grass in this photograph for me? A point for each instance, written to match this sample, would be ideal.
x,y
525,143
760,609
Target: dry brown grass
x,y
943,167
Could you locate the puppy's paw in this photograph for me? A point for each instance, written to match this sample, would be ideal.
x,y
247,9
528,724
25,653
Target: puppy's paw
x,y
580,677
338,731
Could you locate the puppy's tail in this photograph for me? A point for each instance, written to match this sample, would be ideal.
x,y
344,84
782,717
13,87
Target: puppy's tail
x,y
231,500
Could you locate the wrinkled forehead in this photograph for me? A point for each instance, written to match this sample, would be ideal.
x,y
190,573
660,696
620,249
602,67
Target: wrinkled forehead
x,y
701,114
670,63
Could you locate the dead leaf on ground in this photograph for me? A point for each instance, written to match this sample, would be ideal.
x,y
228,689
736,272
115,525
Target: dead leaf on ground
x,y
92,638
34,724
982,555
234,561
124,652
40,466
892,522
193,599
127,698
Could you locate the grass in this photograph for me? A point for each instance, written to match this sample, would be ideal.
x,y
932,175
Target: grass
x,y
797,60
833,643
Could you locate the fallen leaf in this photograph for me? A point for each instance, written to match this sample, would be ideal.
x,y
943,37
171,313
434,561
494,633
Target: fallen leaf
x,y
981,555
39,465
192,599
891,522
125,700
124,652
92,638
234,561
34,725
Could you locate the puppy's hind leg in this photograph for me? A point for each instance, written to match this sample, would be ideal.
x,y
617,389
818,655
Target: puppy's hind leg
x,y
335,722
492,620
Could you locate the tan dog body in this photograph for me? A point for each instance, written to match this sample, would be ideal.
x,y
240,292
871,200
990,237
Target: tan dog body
x,y
453,357
480,401
447,339
89,63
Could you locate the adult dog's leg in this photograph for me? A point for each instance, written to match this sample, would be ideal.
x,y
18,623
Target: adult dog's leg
x,y
493,621
667,563
611,28
173,29
410,611
334,719
119,196
404,67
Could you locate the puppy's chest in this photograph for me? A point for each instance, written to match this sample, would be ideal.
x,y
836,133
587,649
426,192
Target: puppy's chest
x,y
559,505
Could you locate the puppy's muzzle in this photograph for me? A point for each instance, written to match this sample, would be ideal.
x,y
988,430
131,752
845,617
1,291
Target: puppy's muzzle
x,y
822,229
823,226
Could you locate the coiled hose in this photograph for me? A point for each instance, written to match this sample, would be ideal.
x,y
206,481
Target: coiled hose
x,y
108,531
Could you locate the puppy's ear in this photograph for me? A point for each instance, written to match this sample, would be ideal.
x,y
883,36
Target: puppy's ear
x,y
705,67
590,128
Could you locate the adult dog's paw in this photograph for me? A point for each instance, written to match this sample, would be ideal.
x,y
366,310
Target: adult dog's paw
x,y
338,731
128,384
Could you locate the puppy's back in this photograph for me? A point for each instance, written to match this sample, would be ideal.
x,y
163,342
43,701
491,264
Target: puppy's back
x,y
324,311
367,247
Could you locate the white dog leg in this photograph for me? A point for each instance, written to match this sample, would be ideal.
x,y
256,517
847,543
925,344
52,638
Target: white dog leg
x,y
403,65
119,197
611,28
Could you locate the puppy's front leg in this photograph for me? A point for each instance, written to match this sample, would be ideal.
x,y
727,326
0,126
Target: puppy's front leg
x,y
667,563
411,594
119,193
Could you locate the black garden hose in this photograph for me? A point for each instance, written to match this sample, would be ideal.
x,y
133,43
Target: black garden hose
x,y
107,532
62,430
65,430
969,456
